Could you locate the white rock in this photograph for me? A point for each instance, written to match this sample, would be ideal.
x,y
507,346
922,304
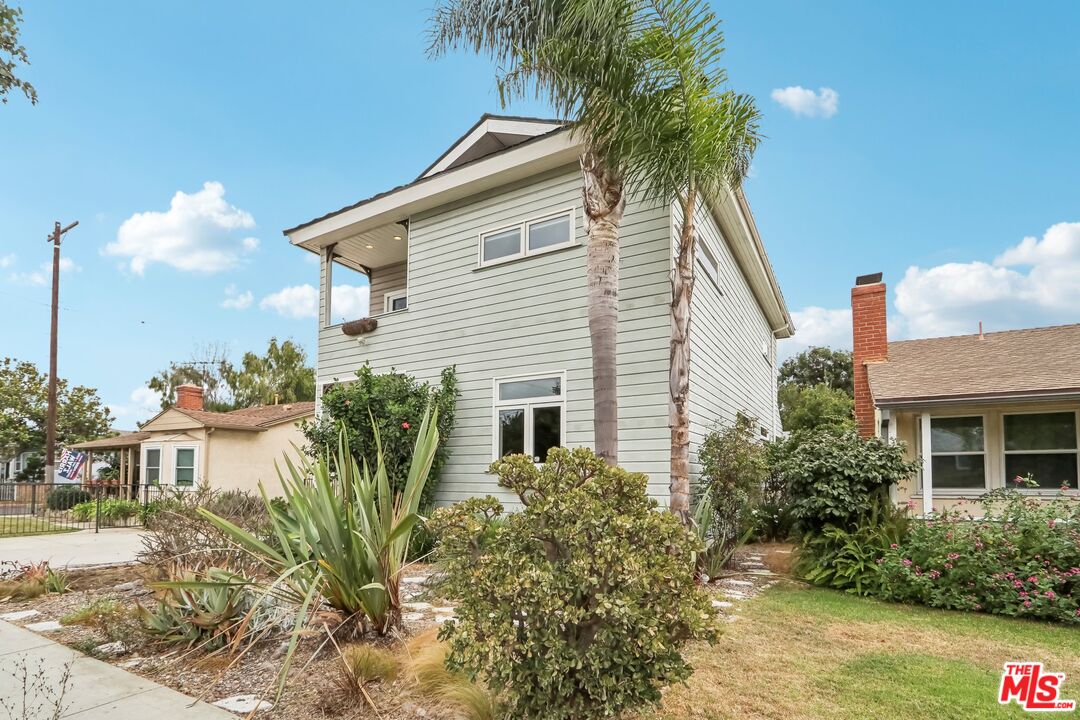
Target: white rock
x,y
731,618
721,604
440,619
132,663
19,615
754,557
735,594
740,583
444,610
46,626
414,580
416,606
412,616
784,552
111,649
244,704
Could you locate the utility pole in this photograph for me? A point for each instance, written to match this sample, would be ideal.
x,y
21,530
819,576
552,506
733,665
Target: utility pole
x,y
50,429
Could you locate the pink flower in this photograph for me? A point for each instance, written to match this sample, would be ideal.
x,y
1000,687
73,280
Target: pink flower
x,y
907,563
948,566
935,574
1033,579
954,556
911,504
1022,594
1018,584
893,546
1050,594
1027,603
404,426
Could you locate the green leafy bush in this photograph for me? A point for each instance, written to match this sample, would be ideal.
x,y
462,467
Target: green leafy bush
x,y
847,558
390,405
209,611
1020,558
833,478
734,466
579,605
66,497
114,511
815,407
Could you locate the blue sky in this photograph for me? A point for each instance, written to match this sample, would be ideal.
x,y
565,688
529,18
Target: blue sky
x,y
945,136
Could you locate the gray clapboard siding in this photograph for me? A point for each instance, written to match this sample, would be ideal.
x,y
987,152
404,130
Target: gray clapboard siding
x,y
523,317
729,373
386,279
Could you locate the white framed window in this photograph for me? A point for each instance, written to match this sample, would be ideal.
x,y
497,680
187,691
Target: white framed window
x,y
395,301
151,464
958,452
529,415
533,236
1043,445
184,466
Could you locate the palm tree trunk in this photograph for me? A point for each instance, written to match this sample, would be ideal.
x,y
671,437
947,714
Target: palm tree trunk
x,y
602,192
682,292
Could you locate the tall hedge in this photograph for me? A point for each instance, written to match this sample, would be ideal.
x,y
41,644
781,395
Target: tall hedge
x,y
397,402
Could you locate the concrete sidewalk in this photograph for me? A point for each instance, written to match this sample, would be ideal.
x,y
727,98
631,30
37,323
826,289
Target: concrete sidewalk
x,y
74,549
94,690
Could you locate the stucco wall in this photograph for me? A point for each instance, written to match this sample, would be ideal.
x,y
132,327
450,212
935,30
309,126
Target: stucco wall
x,y
239,460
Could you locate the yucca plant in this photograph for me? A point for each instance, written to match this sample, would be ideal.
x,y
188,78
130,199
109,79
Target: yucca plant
x,y
345,533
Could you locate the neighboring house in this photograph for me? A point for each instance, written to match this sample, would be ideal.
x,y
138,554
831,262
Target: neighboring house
x,y
978,409
12,466
186,446
480,263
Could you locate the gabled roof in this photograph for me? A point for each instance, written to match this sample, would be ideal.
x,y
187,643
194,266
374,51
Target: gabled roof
x,y
1014,364
490,134
255,419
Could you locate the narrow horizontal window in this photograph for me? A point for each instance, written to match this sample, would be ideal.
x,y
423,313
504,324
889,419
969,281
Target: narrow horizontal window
x,y
502,244
549,233
538,388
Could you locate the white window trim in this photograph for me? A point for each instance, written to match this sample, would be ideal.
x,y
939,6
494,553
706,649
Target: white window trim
x,y
523,238
390,297
144,466
527,404
928,454
1005,453
194,464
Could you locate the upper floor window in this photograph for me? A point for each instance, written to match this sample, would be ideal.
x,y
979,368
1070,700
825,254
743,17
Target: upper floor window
x,y
708,259
1042,445
530,237
396,301
529,415
958,452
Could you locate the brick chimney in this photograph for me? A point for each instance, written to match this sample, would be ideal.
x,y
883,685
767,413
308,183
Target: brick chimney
x,y
189,397
870,343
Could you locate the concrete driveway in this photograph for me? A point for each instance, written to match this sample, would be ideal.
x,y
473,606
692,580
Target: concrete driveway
x,y
74,549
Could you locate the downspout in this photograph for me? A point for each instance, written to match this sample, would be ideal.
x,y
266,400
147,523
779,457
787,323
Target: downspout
x,y
206,454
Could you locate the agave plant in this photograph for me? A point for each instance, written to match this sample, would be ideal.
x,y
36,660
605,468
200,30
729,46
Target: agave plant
x,y
194,611
345,534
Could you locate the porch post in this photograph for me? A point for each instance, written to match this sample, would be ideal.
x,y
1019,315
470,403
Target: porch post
x,y
927,468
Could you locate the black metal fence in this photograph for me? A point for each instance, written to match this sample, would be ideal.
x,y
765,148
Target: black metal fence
x,y
37,508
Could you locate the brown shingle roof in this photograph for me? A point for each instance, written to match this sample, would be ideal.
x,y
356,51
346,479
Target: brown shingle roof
x,y
259,417
1033,362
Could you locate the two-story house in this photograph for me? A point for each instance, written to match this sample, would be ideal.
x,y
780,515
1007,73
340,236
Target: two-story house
x,y
480,263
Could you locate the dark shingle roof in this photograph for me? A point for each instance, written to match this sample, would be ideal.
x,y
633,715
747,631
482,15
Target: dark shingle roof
x,y
1032,362
259,417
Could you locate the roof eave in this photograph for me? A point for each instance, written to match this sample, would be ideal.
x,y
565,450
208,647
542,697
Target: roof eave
x,y
901,402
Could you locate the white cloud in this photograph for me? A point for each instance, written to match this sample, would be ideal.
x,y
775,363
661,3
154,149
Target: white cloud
x,y
41,276
1033,283
236,300
7,261
802,101
143,404
817,326
348,302
199,232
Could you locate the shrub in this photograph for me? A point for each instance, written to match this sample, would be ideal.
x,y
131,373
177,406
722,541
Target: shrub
x,y
22,582
847,558
392,404
772,516
361,664
577,606
834,478
815,407
734,465
1021,559
113,511
176,534
111,619
66,497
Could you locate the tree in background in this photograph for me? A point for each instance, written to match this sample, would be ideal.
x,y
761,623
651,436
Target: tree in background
x,y
819,366
281,375
24,396
11,54
816,390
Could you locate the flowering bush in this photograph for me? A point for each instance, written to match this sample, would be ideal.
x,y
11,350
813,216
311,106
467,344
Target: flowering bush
x,y
578,606
1022,558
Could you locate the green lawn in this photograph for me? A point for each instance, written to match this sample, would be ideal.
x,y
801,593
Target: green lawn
x,y
13,526
799,652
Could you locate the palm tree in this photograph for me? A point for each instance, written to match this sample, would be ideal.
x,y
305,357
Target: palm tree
x,y
518,33
642,82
